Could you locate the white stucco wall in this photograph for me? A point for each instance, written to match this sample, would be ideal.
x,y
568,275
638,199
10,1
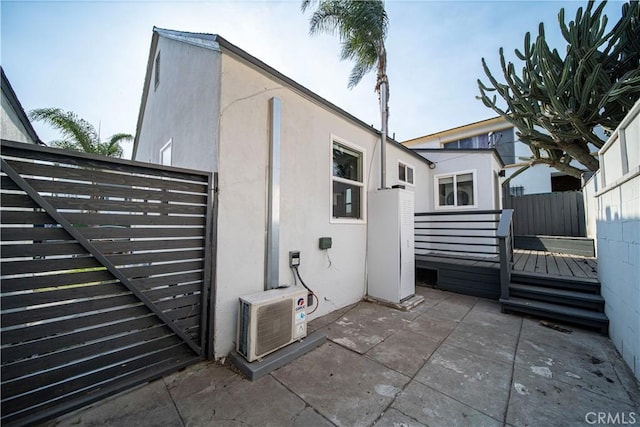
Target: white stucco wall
x,y
183,108
589,190
215,108
483,163
617,205
11,127
337,275
534,180
423,176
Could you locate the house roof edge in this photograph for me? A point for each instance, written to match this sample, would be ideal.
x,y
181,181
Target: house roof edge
x,y
219,43
17,107
458,150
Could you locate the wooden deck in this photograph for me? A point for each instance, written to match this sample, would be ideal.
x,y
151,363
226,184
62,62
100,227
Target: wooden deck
x,y
529,261
555,264
481,276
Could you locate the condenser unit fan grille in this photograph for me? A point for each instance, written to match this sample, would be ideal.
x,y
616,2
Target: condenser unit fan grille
x,y
274,326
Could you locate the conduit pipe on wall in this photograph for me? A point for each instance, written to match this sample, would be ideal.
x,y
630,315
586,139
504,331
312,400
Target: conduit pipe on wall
x,y
272,249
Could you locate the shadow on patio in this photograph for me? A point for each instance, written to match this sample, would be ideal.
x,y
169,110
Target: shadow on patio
x,y
453,360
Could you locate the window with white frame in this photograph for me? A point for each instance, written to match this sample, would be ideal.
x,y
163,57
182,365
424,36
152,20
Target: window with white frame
x,y
405,173
456,189
347,182
165,153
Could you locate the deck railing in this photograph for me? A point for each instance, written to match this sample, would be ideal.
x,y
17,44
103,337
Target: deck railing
x,y
463,234
505,244
481,235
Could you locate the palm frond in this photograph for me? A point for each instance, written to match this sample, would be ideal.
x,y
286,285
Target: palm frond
x,y
78,134
358,71
66,145
118,137
362,29
69,124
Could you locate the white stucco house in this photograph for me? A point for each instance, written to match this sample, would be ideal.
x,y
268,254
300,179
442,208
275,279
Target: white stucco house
x,y
14,123
497,133
209,105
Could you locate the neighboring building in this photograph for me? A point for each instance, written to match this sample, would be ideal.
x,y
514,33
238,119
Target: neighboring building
x,y
14,123
211,106
497,133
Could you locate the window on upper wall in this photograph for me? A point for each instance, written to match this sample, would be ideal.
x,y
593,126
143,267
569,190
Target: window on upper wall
x,y
347,182
456,190
477,141
156,74
405,173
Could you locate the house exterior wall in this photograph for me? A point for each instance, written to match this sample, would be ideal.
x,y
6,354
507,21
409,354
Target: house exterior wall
x,y
617,216
337,275
183,108
483,163
535,180
214,105
10,124
423,177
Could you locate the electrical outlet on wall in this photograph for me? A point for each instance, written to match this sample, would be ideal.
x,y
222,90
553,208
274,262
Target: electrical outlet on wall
x,y
294,258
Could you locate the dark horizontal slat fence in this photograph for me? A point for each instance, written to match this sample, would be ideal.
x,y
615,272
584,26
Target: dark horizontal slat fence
x,y
548,214
457,234
106,270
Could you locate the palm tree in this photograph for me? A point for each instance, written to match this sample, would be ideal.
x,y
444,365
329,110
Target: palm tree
x,y
362,29
78,134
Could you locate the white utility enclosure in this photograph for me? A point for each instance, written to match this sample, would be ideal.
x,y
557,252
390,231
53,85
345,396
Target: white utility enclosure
x,y
391,247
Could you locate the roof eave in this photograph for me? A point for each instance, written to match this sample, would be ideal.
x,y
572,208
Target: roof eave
x,y
218,43
17,107
458,150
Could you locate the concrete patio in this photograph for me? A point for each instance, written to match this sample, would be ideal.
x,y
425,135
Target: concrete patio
x,y
452,361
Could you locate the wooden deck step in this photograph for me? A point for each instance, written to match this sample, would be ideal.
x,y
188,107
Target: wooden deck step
x,y
558,296
562,313
581,284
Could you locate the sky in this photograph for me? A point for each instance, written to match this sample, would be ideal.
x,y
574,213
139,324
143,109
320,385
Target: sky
x,y
90,57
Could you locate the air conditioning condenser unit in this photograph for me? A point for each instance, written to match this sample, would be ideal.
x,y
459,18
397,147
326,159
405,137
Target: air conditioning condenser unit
x,y
269,320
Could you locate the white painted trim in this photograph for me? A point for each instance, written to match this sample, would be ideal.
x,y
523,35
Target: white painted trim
x,y
363,184
436,193
617,183
635,111
168,145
